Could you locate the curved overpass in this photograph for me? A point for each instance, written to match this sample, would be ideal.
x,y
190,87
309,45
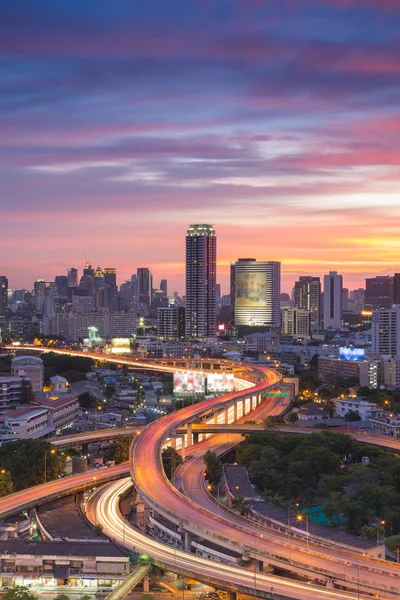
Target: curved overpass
x,y
148,476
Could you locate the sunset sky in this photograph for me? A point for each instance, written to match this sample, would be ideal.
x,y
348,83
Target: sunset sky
x,y
123,121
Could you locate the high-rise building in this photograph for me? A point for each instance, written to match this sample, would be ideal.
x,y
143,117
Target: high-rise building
x,y
3,294
72,277
379,292
201,272
345,298
296,322
145,286
39,288
110,276
385,329
218,292
61,283
171,322
255,293
396,288
164,287
333,298
307,295
29,366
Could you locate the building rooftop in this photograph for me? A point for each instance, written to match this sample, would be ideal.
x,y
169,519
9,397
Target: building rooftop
x,y
58,379
81,549
54,402
15,415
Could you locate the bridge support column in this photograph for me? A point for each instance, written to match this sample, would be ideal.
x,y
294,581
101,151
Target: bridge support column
x,y
231,595
195,438
216,417
235,412
146,584
173,442
226,415
188,541
183,455
189,435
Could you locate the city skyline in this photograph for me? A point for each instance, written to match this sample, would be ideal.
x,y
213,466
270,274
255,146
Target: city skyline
x,y
275,121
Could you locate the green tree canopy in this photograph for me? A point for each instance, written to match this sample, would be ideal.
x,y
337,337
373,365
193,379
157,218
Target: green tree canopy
x,y
88,401
19,593
213,467
171,461
26,461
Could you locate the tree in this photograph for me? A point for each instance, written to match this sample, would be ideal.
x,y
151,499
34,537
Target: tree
x,y
171,461
352,415
88,401
393,543
109,391
19,593
86,597
241,505
213,467
26,461
98,529
292,417
121,450
330,408
61,597
6,483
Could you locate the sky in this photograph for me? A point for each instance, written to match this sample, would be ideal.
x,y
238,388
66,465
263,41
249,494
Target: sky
x,y
122,122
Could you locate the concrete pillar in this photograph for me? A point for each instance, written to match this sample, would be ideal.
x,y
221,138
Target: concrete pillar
x,y
226,415
173,442
195,438
188,541
216,416
183,455
189,435
146,584
235,412
231,595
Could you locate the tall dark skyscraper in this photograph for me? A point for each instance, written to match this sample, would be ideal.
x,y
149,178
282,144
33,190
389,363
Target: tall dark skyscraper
x,y
61,283
201,273
3,294
379,292
307,295
145,285
396,288
110,276
164,287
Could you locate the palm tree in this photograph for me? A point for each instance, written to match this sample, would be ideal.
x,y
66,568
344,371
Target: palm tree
x,y
241,505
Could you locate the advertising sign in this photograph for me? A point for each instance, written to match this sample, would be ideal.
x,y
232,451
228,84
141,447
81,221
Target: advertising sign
x,y
120,345
191,382
352,353
220,382
250,289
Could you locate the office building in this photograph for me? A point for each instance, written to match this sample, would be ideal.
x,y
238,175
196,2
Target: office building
x,y
74,326
61,284
296,322
330,369
39,288
333,297
29,366
307,295
385,327
3,295
145,286
379,292
110,276
72,277
255,293
164,287
396,288
171,322
201,272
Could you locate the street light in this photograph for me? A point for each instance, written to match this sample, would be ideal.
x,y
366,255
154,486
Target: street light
x,y
288,525
300,518
52,451
381,524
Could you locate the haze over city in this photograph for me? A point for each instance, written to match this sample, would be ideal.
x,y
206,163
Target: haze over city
x,y
123,122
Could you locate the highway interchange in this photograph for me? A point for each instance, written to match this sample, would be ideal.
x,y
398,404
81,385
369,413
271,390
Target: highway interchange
x,y
148,477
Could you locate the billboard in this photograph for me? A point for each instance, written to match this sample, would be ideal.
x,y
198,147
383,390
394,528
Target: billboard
x,y
191,382
351,353
220,382
250,289
120,345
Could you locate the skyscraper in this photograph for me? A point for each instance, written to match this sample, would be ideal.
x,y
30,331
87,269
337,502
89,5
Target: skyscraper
x,y
164,287
40,289
201,271
110,276
307,295
255,293
145,285
3,294
72,277
379,292
396,288
333,299
385,328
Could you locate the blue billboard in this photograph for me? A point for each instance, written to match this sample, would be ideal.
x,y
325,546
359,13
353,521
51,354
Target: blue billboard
x,y
352,353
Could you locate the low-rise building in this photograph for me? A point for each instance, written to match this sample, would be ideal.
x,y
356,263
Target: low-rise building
x,y
59,385
360,405
386,423
14,391
63,410
29,366
331,368
25,423
311,413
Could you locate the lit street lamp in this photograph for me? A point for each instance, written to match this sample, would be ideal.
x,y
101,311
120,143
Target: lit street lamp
x,y
52,451
300,518
288,526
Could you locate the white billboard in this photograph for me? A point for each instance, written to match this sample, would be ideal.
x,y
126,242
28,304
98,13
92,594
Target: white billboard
x,y
220,382
120,346
190,382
